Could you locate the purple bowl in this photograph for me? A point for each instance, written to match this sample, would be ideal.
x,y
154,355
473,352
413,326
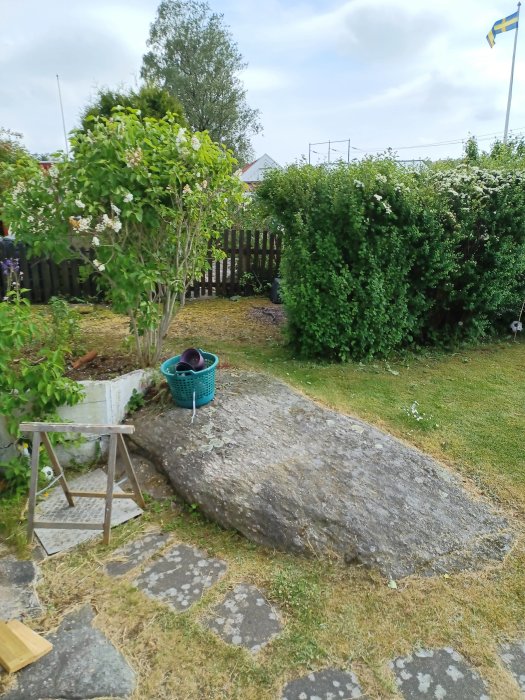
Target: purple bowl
x,y
193,357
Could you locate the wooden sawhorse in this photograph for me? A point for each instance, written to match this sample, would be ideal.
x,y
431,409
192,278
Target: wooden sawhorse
x,y
116,441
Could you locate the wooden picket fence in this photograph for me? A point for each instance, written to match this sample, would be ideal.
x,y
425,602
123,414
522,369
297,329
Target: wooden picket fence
x,y
252,261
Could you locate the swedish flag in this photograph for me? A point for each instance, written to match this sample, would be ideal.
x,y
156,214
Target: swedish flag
x,y
503,25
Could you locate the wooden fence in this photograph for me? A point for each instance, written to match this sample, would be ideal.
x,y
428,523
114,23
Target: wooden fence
x,y
252,260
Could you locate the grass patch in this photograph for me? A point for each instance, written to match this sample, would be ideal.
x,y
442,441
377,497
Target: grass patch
x,y
334,615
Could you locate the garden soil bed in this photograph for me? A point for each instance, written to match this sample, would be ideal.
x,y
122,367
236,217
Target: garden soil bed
x,y
104,367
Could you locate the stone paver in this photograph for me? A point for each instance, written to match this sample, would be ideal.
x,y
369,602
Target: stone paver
x,y
328,684
134,553
245,618
438,674
180,576
85,510
513,656
18,598
83,664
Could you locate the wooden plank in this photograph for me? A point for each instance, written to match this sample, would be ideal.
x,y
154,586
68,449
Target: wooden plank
x,y
224,279
65,286
264,252
37,645
45,277
75,282
63,525
128,465
209,288
109,495
271,255
24,269
57,469
240,259
256,254
101,494
232,289
36,283
33,482
54,277
89,428
14,652
217,275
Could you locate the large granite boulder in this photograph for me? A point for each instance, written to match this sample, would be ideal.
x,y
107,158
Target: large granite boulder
x,y
290,474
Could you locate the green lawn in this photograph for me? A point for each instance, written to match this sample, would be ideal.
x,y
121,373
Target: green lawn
x,y
335,615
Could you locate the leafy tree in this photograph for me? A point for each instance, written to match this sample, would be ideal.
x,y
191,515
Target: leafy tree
x,y
193,55
148,197
11,151
150,101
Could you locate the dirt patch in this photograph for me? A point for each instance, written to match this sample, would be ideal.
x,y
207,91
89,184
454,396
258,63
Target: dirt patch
x,y
104,367
272,315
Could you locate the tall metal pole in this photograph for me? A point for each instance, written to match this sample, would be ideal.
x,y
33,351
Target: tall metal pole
x,y
506,133
309,153
63,120
329,147
348,157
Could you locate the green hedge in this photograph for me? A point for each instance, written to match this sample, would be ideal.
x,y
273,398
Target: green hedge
x,y
377,258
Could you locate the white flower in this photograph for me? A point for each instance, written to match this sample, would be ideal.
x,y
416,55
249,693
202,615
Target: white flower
x,y
133,157
117,225
181,136
95,241
378,197
388,208
84,224
106,221
186,189
30,219
98,265
198,187
115,209
128,197
80,204
380,178
47,472
53,171
204,184
516,326
358,183
195,143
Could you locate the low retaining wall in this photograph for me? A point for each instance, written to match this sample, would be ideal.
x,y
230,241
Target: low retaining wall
x,y
105,401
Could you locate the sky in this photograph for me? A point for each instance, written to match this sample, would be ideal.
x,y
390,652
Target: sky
x,y
392,73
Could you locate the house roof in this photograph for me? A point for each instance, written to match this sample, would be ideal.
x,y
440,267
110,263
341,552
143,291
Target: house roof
x,y
254,172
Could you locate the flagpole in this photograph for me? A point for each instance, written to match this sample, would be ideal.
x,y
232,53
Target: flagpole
x,y
506,132
62,113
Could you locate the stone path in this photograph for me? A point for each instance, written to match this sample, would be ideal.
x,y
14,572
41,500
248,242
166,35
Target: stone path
x,y
513,656
180,576
329,684
82,664
438,673
18,598
245,618
85,510
134,553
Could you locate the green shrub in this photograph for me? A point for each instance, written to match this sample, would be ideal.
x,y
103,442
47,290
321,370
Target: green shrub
x,y
377,257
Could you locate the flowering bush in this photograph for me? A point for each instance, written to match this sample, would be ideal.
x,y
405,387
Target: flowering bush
x,y
149,197
377,257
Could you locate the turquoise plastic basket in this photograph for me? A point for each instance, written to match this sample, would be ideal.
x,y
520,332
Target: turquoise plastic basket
x,y
183,384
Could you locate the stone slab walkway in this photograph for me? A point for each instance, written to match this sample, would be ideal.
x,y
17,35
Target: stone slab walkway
x,y
18,597
513,656
83,664
180,576
134,553
438,674
85,510
245,618
328,684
